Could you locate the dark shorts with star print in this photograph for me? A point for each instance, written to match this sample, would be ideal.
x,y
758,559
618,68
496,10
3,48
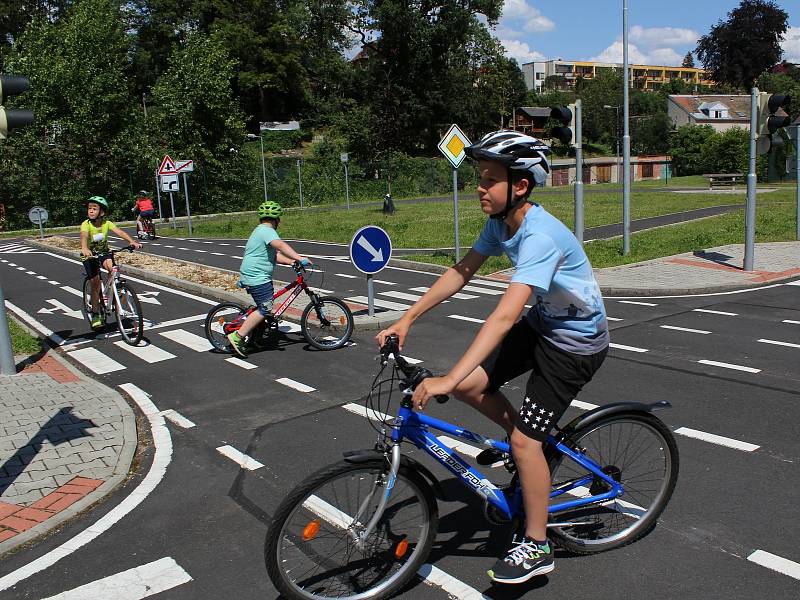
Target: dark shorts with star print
x,y
556,376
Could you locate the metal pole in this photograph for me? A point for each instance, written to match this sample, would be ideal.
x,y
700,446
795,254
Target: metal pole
x,y
346,187
750,206
158,195
455,213
300,183
797,175
188,212
626,140
263,166
7,364
172,206
370,296
578,172
39,218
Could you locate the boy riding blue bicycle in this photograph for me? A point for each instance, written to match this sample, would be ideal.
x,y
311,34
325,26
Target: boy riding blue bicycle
x,y
562,340
264,249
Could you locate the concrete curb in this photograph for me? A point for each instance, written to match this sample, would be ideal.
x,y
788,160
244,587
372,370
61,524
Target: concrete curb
x,y
121,469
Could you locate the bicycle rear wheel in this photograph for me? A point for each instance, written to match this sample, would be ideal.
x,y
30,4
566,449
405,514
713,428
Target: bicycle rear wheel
x,y
220,322
639,451
130,320
328,324
311,549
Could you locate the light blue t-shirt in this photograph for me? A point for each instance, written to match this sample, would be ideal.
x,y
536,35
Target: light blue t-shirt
x,y
259,256
569,310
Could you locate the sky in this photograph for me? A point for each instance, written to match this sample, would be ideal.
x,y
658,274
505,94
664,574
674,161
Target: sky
x,y
659,33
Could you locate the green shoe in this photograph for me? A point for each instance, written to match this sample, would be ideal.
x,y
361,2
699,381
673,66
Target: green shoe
x,y
97,321
237,344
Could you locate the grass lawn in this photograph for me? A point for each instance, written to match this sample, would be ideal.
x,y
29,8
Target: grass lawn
x,y
21,341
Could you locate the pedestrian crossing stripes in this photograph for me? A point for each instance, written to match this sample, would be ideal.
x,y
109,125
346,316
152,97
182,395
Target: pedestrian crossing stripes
x,y
457,295
190,340
17,249
96,361
482,290
149,353
380,303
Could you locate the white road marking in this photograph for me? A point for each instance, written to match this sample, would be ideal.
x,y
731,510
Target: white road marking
x,y
96,360
241,363
133,584
168,246
54,282
41,277
384,282
190,340
163,453
177,418
218,254
400,295
636,302
241,459
628,348
715,312
381,303
150,354
72,290
201,251
20,268
613,318
237,257
686,329
30,272
776,563
54,337
457,295
716,439
296,385
777,343
346,275
583,405
363,411
463,318
498,284
480,290
793,282
289,327
60,307
791,322
715,363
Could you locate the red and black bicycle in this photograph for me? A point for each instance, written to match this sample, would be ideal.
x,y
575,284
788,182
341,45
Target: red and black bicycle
x,y
326,322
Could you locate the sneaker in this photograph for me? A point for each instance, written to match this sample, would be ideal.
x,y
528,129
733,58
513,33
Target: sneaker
x,y
97,321
237,344
525,559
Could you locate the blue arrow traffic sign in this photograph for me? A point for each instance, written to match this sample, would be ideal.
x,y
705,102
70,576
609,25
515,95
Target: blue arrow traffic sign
x,y
370,249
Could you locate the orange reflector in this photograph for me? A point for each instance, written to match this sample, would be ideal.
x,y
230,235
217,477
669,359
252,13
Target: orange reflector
x,y
221,320
401,549
341,320
311,530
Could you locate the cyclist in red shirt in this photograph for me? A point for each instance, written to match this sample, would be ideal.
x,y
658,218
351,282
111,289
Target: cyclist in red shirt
x,y
144,208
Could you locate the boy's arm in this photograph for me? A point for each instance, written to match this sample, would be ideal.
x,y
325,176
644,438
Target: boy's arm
x,y
489,337
85,244
126,237
448,284
286,250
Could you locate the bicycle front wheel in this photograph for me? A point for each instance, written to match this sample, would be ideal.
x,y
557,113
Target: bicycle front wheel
x,y
327,324
86,305
219,323
130,320
637,450
314,549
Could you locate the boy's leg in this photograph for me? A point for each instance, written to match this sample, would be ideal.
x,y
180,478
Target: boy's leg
x,y
494,405
262,295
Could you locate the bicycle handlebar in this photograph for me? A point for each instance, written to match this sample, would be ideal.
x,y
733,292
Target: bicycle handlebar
x,y
113,251
414,375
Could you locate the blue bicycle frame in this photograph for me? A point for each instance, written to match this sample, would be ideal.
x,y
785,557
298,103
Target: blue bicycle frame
x,y
413,426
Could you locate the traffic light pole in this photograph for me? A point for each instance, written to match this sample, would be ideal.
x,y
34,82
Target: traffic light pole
x,y
750,207
797,175
578,173
7,365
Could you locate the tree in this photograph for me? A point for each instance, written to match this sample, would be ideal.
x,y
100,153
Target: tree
x,y
726,152
738,50
688,60
686,149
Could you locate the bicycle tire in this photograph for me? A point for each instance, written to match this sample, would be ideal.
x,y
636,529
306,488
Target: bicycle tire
x,y
392,557
616,523
215,320
337,327
130,320
151,233
86,304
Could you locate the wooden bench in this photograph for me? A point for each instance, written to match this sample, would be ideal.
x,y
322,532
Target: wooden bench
x,y
724,179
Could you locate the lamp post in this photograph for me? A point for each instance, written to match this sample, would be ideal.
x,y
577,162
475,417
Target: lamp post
x,y
626,139
616,134
252,136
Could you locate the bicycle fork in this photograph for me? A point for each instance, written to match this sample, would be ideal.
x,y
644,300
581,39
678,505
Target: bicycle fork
x,y
360,537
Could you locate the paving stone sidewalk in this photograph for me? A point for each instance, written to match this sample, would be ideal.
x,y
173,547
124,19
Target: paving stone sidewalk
x,y
65,442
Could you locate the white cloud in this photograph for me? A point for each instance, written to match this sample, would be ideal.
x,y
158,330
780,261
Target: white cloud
x,y
613,54
521,51
529,17
652,46
663,36
791,45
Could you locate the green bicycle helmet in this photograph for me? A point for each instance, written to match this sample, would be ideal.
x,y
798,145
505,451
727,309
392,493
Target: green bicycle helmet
x,y
269,210
101,201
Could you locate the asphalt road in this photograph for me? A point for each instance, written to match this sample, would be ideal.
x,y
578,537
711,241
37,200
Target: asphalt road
x,y
209,516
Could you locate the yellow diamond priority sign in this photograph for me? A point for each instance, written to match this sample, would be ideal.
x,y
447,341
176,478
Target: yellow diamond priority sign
x,y
453,144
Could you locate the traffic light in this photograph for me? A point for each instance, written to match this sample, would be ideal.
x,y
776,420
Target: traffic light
x,y
565,132
769,123
11,85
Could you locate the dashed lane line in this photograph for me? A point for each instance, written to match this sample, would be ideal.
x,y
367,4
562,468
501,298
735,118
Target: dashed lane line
x,y
400,295
381,303
96,361
778,343
177,418
724,365
241,363
481,290
134,584
457,295
628,348
296,385
686,329
240,458
715,312
469,319
613,318
346,275
637,302
717,439
384,282
776,563
791,322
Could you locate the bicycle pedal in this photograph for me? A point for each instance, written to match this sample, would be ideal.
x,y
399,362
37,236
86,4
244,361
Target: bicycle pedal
x,y
490,456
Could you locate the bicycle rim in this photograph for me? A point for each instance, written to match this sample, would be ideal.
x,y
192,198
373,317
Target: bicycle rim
x,y
130,321
217,321
335,327
315,555
638,451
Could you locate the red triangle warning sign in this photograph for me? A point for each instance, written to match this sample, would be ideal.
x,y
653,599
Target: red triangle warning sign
x,y
167,166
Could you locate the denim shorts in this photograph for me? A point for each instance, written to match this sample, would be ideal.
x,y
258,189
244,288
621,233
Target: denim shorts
x,y
262,296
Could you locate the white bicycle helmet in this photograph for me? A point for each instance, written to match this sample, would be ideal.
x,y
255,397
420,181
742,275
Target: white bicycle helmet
x,y
518,152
